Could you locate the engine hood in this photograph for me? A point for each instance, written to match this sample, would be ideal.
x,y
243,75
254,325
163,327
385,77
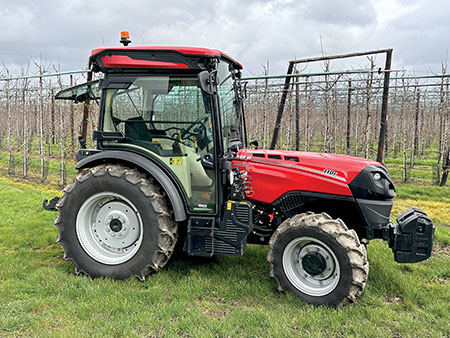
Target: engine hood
x,y
333,166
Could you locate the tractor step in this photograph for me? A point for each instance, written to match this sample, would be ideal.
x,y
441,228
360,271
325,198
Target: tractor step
x,y
200,236
205,237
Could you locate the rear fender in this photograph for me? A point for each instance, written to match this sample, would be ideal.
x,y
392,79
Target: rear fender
x,y
145,164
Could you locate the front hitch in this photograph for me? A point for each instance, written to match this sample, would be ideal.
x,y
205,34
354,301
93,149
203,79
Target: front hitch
x,y
411,239
50,206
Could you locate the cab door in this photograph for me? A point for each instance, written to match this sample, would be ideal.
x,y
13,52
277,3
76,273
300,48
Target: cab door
x,y
167,118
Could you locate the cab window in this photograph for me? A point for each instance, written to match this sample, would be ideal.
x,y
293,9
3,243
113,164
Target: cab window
x,y
229,113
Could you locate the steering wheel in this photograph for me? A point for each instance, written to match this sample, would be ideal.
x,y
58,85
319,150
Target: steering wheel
x,y
187,131
176,128
200,120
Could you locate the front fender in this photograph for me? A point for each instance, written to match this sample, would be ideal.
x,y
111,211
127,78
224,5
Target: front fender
x,y
169,185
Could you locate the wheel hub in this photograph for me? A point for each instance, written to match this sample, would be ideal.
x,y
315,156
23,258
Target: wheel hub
x,y
115,225
314,263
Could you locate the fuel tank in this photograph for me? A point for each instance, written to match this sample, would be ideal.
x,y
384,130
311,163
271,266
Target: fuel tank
x,y
272,173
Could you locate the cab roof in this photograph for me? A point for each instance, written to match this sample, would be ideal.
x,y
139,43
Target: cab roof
x,y
155,57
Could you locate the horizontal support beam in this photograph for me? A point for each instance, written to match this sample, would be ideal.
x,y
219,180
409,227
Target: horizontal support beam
x,y
341,72
341,56
45,75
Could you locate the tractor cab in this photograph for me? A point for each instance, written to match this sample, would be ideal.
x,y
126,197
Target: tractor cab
x,y
179,106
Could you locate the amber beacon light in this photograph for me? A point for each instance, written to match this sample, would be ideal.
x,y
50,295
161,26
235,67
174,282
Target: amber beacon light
x,y
125,38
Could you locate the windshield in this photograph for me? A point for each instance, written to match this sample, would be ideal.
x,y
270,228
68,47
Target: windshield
x,y
80,93
228,105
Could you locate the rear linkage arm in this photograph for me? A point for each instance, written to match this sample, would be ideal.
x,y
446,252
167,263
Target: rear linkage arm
x,y
50,206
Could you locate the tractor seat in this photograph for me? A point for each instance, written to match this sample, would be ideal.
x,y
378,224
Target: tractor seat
x,y
137,130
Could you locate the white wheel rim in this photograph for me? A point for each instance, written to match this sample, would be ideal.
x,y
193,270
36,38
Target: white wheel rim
x,y
109,228
312,285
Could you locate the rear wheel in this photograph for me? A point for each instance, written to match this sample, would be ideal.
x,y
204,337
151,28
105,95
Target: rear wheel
x,y
114,222
319,259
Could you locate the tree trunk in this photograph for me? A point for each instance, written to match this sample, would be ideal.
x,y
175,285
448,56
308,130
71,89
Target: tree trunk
x,y
415,143
368,127
9,127
349,105
41,129
297,114
25,129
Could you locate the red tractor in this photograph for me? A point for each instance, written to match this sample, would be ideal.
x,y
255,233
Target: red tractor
x,y
169,167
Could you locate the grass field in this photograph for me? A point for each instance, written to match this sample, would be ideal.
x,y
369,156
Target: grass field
x,y
221,296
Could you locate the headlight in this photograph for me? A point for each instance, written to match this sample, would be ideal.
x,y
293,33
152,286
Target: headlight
x,y
373,183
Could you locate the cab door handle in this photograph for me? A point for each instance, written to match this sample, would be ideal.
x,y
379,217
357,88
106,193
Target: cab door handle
x,y
207,161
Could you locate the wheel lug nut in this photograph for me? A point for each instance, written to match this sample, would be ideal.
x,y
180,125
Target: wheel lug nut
x,y
123,229
108,229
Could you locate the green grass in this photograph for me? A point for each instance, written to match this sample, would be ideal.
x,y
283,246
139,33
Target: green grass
x,y
217,297
421,192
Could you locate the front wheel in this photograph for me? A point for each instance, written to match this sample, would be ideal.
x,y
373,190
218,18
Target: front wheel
x,y
114,222
319,259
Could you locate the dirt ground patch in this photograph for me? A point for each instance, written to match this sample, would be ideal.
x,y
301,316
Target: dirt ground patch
x,y
441,250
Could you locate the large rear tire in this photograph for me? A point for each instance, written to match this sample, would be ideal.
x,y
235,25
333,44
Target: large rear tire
x,y
115,222
318,259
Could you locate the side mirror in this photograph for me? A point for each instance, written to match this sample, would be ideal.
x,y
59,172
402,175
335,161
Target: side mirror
x,y
255,143
234,145
205,82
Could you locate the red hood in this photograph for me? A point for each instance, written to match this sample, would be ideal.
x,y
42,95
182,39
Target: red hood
x,y
345,167
272,173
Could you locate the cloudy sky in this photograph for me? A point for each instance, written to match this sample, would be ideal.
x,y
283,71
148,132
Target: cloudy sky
x,y
252,31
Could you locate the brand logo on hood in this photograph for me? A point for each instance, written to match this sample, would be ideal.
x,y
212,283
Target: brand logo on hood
x,y
329,172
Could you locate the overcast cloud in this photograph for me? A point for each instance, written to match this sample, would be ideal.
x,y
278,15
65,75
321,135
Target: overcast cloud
x,y
64,32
